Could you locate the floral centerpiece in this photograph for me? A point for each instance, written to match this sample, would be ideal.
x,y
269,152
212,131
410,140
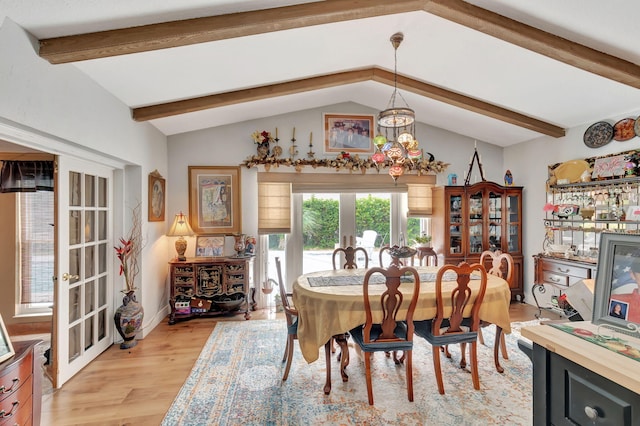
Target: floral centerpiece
x,y
262,139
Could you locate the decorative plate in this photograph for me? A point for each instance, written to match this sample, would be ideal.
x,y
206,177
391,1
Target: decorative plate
x,y
570,171
598,134
636,127
623,130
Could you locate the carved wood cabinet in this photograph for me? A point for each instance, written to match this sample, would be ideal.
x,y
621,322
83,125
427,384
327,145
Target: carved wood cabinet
x,y
209,287
21,386
470,219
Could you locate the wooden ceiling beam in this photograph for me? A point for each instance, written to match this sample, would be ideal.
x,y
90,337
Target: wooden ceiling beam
x,y
168,109
348,77
468,103
536,40
200,30
165,35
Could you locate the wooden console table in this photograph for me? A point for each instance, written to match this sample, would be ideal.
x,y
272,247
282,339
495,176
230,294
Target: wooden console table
x,y
21,386
210,287
579,382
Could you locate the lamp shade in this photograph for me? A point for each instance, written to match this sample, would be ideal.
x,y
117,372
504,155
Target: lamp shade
x,y
419,200
180,227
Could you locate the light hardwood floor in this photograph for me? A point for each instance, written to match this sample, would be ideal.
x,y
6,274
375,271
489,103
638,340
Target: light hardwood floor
x,y
137,386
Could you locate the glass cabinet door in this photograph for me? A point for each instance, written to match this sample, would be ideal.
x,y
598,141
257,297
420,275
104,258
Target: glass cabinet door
x,y
476,232
514,223
455,223
495,221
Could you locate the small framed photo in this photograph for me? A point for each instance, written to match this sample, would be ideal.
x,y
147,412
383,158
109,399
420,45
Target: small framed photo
x,y
210,246
156,197
350,133
214,200
6,348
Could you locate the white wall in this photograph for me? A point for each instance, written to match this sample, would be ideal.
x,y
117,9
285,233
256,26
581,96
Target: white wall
x,y
528,162
59,109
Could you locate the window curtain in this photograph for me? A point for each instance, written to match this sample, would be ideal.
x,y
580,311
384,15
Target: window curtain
x,y
26,176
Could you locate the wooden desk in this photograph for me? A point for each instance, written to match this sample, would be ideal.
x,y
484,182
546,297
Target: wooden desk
x,y
328,306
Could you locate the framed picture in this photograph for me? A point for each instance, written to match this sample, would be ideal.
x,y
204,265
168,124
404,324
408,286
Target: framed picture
x,y
156,197
617,287
350,133
6,348
214,200
210,246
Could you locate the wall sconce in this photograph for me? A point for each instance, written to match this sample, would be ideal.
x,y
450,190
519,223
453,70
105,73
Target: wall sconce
x,y
180,228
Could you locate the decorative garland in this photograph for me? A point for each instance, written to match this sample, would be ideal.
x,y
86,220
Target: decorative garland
x,y
346,162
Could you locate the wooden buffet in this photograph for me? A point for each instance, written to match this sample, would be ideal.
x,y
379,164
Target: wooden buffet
x,y
210,286
21,386
470,219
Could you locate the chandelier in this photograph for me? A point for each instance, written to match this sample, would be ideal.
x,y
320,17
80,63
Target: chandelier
x,y
396,127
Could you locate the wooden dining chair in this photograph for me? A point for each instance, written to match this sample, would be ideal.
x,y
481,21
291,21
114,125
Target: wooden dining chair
x,y
455,328
390,334
350,257
502,266
426,256
291,315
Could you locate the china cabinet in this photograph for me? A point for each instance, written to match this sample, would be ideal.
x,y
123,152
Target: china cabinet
x,y
210,287
470,219
576,214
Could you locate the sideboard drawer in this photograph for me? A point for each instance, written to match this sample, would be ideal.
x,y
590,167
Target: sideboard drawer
x,y
14,377
564,269
558,279
17,404
577,392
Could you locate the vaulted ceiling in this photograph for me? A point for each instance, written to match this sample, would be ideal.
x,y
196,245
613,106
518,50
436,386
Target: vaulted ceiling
x,y
502,71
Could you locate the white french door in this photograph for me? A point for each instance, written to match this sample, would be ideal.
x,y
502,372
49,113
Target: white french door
x,y
83,288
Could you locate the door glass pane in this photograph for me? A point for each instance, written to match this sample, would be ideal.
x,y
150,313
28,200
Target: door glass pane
x,y
89,295
75,224
89,226
74,265
75,304
102,291
102,258
75,189
88,333
102,324
102,225
89,264
320,225
373,224
90,192
102,192
74,342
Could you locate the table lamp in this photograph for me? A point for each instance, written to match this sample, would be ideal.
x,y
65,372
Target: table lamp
x,y
180,228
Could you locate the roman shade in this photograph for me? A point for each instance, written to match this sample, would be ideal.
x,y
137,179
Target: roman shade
x,y
26,176
419,200
274,207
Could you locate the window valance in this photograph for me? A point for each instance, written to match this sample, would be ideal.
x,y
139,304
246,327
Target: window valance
x,y
26,176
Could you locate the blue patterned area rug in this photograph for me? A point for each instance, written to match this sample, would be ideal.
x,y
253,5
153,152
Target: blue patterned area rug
x,y
237,381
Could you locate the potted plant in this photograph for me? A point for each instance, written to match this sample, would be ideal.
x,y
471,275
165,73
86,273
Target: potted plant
x,y
423,240
128,317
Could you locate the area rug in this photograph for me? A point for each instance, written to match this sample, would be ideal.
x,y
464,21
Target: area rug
x,y
237,381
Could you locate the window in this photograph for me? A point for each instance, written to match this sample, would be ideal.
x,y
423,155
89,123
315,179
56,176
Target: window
x,y
35,252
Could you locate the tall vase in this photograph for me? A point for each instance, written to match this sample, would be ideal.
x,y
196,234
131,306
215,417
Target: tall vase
x,y
128,320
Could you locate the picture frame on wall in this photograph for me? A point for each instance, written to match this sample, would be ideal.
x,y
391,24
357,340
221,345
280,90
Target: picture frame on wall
x,y
214,200
6,348
210,246
352,133
157,191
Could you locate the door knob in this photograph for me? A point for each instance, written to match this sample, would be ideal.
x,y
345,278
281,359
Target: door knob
x,y
66,277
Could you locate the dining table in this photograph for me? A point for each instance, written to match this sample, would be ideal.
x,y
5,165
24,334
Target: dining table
x,y
330,303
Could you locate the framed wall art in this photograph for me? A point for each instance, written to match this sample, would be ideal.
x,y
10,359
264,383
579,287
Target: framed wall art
x,y
210,246
6,348
156,197
351,133
214,200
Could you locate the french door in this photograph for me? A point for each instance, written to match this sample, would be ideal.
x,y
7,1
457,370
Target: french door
x,y
83,288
